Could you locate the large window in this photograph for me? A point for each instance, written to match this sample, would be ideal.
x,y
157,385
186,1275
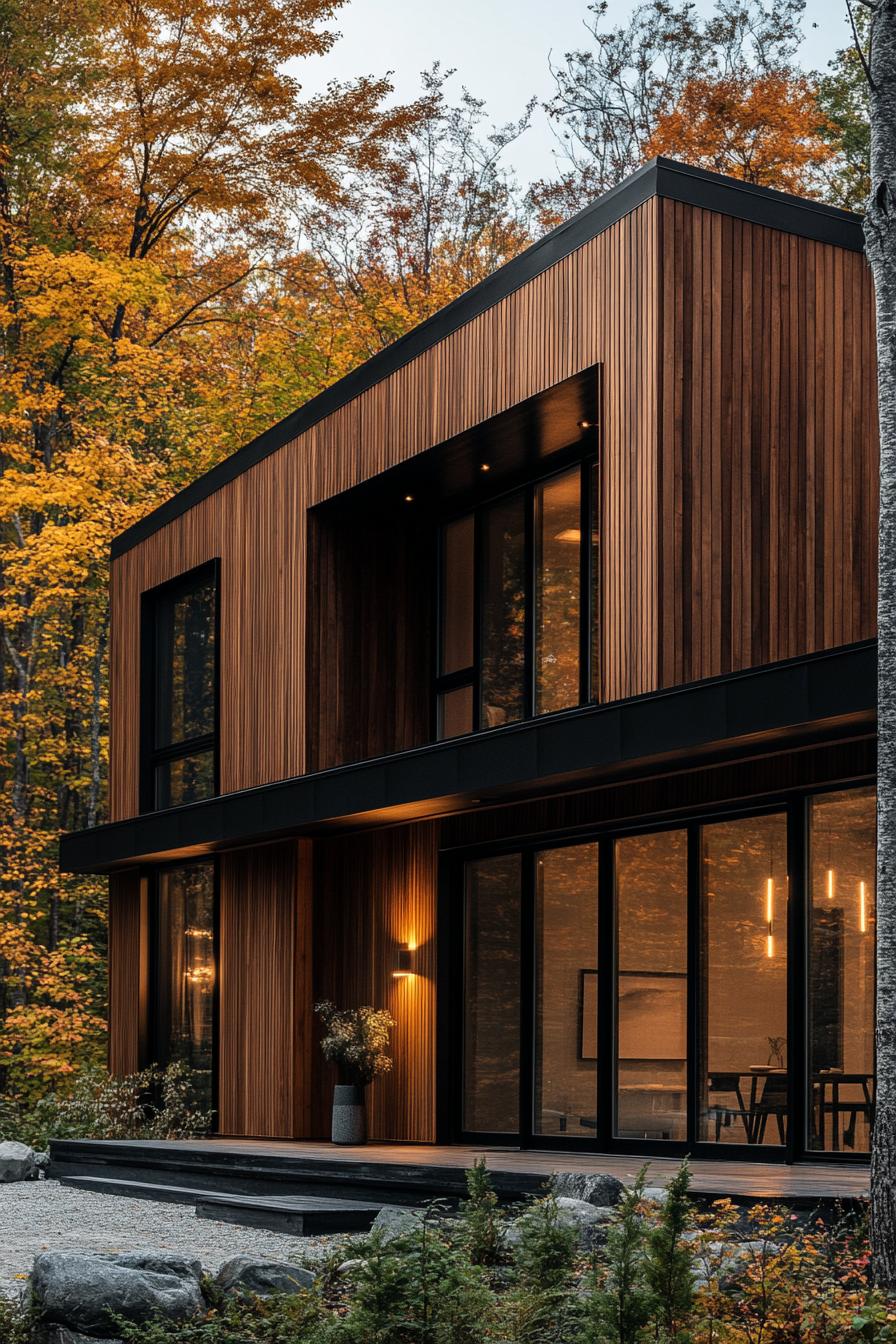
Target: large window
x,y
518,605
642,988
180,683
184,973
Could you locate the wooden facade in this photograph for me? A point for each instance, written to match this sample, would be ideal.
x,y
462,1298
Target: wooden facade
x,y
732,362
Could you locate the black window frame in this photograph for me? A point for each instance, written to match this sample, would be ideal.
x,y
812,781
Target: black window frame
x,y
587,460
794,806
156,1049
152,756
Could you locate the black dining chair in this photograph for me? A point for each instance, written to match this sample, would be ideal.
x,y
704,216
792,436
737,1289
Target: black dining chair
x,y
728,1084
773,1101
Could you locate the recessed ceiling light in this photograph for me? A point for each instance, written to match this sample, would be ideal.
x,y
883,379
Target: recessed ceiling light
x,y
409,499
485,466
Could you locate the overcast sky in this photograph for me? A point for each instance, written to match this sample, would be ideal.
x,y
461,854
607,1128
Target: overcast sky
x,y
500,49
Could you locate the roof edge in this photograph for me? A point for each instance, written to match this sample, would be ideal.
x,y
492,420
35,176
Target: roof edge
x,y
664,178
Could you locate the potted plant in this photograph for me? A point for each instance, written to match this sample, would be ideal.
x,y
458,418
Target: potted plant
x,y
355,1040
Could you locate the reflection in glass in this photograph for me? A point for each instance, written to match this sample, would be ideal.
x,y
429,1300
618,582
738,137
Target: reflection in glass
x,y
744,1003
558,581
503,613
185,663
595,613
457,596
566,991
492,995
652,959
185,973
842,856
185,779
456,712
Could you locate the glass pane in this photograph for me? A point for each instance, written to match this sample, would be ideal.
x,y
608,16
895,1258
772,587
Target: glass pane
x,y
185,664
456,712
503,613
652,985
842,853
595,586
186,779
457,596
185,973
492,995
558,582
566,992
744,1000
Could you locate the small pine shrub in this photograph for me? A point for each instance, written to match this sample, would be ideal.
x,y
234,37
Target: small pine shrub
x,y
669,1264
546,1253
281,1319
480,1219
620,1305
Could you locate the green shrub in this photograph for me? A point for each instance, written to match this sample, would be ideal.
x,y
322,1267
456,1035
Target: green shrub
x,y
620,1306
153,1104
481,1221
669,1264
282,1319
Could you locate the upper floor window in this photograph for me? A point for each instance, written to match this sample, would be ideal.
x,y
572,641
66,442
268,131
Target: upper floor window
x,y
180,690
518,611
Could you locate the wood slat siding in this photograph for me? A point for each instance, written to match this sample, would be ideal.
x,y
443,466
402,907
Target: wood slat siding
x,y
597,306
128,970
265,1047
769,455
372,891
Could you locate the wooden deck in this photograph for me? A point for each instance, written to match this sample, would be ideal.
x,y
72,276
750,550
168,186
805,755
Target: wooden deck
x,y
801,1182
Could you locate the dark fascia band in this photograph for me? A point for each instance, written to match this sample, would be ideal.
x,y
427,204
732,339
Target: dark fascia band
x,y
661,177
576,749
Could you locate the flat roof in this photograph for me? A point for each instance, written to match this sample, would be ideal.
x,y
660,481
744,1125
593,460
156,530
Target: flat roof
x,y
661,177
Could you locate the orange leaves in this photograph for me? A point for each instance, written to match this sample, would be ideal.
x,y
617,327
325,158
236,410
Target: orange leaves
x,y
764,128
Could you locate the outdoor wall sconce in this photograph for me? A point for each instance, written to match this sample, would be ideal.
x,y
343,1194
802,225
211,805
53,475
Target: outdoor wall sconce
x,y
405,963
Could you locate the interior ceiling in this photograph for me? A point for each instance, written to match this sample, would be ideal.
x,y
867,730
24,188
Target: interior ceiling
x,y
510,445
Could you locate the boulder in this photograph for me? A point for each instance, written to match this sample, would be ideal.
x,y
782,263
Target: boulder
x,y
591,1222
249,1274
18,1162
723,1261
91,1292
393,1222
657,1194
60,1334
597,1188
161,1262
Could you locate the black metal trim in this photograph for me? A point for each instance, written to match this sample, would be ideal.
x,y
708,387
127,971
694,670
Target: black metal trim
x,y
661,177
823,696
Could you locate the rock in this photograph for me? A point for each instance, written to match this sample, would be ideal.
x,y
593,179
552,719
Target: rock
x,y
393,1222
261,1278
591,1222
90,1292
723,1261
349,1266
657,1194
160,1262
42,1162
597,1188
60,1334
18,1162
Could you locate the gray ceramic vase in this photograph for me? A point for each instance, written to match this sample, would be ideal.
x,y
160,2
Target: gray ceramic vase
x,y
349,1117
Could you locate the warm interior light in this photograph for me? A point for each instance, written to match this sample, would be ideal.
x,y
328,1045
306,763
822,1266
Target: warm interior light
x,y
190,932
202,977
568,534
485,466
830,883
863,909
770,917
585,424
409,499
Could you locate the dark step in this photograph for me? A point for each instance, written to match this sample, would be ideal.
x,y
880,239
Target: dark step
x,y
302,1217
134,1189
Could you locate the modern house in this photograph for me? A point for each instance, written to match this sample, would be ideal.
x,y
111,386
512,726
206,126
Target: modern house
x,y
523,683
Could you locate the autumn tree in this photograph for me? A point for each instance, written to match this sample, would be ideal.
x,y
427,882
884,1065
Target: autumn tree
x,y
152,159
610,97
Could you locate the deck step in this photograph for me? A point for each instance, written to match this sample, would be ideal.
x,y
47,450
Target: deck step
x,y
301,1216
136,1189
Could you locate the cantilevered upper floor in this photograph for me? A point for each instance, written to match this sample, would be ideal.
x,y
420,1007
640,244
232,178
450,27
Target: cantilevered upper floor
x,y
639,456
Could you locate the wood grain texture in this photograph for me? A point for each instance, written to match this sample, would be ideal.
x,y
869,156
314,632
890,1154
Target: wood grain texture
x,y
373,891
128,971
265,1052
597,306
768,457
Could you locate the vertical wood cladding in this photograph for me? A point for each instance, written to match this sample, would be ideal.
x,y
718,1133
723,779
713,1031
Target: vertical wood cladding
x,y
597,306
768,463
128,970
370,672
265,1049
374,890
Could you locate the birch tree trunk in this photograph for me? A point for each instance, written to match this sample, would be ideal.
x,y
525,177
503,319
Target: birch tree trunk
x,y
880,241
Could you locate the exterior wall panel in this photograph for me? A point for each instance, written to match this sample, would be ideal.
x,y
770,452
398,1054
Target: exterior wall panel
x,y
128,970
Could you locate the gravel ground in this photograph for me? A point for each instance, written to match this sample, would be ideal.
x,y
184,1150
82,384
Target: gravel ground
x,y
46,1216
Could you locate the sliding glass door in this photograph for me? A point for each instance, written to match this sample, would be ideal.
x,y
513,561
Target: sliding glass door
x,y
641,990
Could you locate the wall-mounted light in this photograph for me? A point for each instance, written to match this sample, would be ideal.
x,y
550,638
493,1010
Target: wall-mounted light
x,y
586,424
404,962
